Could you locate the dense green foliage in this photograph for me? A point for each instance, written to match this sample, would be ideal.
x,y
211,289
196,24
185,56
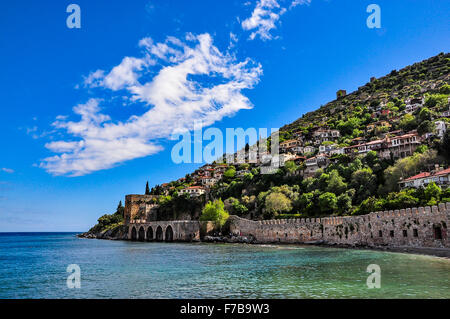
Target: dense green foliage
x,y
215,212
109,221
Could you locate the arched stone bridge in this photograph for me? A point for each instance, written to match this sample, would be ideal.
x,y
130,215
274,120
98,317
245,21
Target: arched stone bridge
x,y
179,230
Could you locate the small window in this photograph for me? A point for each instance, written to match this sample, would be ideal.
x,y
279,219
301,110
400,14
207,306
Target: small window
x,y
415,233
437,233
380,233
405,233
391,233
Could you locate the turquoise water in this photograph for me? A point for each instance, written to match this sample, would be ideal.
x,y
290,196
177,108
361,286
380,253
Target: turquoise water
x,y
34,266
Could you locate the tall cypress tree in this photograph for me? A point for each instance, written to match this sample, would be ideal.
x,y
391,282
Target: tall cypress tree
x,y
147,189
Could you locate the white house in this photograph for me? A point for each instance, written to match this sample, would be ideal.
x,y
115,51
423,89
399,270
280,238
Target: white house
x,y
441,178
193,191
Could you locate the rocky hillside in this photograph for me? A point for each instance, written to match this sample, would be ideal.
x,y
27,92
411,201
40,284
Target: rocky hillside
x,y
413,81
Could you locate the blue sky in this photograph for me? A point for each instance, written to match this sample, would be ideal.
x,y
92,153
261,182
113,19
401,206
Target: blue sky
x,y
138,69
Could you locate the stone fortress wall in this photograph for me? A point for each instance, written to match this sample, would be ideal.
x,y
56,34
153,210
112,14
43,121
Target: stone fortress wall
x,y
416,227
412,227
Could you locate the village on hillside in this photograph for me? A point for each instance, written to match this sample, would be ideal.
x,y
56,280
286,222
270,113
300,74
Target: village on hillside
x,y
388,137
385,146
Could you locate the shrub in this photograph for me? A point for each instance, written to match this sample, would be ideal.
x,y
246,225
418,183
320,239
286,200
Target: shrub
x,y
215,212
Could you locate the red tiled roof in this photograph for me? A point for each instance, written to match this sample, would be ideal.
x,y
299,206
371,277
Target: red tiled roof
x,y
444,172
421,175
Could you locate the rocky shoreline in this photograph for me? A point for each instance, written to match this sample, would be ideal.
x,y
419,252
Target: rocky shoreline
x,y
116,233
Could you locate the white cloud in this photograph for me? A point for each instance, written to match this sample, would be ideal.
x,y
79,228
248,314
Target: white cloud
x,y
7,170
265,18
299,2
179,81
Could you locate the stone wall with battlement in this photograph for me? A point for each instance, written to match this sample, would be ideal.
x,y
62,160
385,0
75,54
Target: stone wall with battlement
x,y
415,227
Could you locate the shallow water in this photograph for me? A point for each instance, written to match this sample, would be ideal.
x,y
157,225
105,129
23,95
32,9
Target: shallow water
x,y
34,266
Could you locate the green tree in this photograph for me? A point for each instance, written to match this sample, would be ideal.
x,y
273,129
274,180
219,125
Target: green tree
x,y
434,100
424,115
445,89
306,203
344,203
120,209
371,159
230,173
215,212
336,183
328,203
277,203
408,122
290,166
147,189
432,193
238,208
421,149
365,184
348,127
425,127
444,147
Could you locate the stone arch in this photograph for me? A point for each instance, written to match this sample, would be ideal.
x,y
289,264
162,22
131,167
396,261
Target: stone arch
x,y
133,233
149,233
169,234
159,234
141,234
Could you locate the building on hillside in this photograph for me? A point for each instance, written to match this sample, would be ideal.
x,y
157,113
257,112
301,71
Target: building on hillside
x,y
446,113
298,160
441,128
404,145
413,104
331,149
325,135
341,93
209,181
337,151
298,135
380,146
194,191
358,140
440,177
306,150
313,164
289,144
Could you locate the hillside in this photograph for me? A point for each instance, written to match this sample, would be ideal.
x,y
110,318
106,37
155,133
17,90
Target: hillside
x,y
412,81
384,146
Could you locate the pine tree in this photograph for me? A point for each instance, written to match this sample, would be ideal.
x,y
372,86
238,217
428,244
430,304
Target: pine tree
x,y
120,209
147,190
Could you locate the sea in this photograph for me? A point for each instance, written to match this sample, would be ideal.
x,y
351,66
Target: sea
x,y
60,265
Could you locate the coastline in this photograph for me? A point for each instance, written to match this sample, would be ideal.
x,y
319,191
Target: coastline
x,y
426,251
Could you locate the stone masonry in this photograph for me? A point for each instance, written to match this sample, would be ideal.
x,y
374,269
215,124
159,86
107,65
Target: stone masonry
x,y
178,230
416,227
